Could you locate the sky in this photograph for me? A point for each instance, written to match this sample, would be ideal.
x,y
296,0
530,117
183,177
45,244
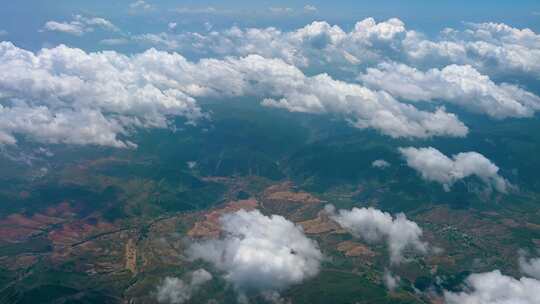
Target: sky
x,y
22,20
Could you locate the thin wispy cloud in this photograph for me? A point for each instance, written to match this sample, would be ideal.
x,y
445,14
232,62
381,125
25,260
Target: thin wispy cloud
x,y
80,25
310,8
141,6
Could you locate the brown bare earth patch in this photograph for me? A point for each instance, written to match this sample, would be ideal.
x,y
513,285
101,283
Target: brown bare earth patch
x,y
353,249
283,199
466,221
131,256
533,226
321,224
510,223
62,210
210,226
435,299
293,197
285,192
77,231
17,227
20,262
438,260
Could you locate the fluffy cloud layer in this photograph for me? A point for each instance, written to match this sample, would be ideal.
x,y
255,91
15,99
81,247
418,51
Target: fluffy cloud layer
x,y
147,89
375,225
465,61
494,287
459,84
435,166
116,93
530,267
317,42
67,95
489,47
176,291
80,25
260,253
81,127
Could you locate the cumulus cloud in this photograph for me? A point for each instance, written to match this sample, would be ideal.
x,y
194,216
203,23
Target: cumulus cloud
x,y
530,267
494,287
176,291
143,90
64,95
260,253
318,42
81,127
489,47
462,85
368,109
80,25
437,167
380,163
374,225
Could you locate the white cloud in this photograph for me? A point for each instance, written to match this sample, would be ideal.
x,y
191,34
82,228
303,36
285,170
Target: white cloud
x,y
281,10
209,10
260,253
375,225
363,107
74,97
140,5
3,32
435,166
176,291
380,163
310,8
496,288
143,90
160,40
114,41
80,25
530,267
80,127
317,43
489,47
461,85
97,22
172,25
73,28
390,281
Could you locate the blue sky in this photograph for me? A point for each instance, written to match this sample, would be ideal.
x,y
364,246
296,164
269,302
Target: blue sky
x,y
24,18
